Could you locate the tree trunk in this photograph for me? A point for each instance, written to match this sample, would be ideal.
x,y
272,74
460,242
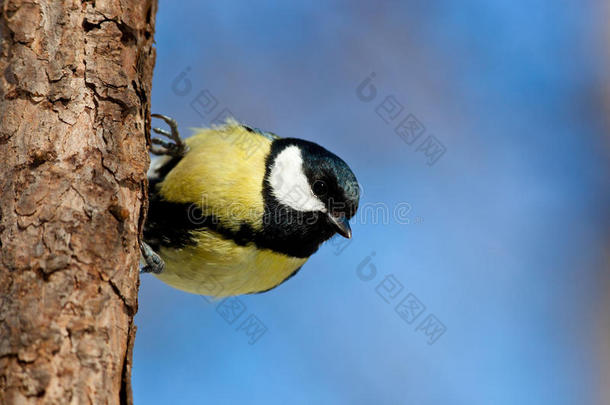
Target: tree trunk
x,y
75,80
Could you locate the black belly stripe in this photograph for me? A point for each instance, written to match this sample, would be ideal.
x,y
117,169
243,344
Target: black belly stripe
x,y
171,224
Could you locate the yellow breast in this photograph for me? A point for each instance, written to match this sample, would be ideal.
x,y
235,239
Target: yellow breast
x,y
219,267
223,174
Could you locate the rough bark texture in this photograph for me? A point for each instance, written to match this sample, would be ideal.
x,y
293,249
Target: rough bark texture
x,y
75,79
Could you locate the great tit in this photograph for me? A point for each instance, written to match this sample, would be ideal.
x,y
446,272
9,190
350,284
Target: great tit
x,y
237,210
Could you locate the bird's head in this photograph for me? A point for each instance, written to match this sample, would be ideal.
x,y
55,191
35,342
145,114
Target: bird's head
x,y
313,186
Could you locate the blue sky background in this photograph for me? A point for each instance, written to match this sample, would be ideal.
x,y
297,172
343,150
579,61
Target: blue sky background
x,y
507,238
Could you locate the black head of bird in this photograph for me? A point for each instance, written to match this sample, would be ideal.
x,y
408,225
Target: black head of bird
x,y
310,194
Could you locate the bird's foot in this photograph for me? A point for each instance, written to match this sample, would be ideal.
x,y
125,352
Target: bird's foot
x,y
175,147
154,263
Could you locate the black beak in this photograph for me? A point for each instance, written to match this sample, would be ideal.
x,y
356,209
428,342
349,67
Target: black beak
x,y
342,225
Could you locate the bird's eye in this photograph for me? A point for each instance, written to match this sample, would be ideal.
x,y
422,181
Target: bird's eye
x,y
320,188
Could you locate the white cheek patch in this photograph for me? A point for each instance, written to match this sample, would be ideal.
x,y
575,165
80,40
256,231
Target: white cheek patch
x,y
289,184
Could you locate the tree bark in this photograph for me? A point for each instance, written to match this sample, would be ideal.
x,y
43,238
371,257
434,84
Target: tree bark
x,y
75,80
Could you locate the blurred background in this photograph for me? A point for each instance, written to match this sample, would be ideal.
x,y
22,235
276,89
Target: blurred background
x,y
479,270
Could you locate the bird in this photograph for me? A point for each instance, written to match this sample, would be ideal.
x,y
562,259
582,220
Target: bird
x,y
237,210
